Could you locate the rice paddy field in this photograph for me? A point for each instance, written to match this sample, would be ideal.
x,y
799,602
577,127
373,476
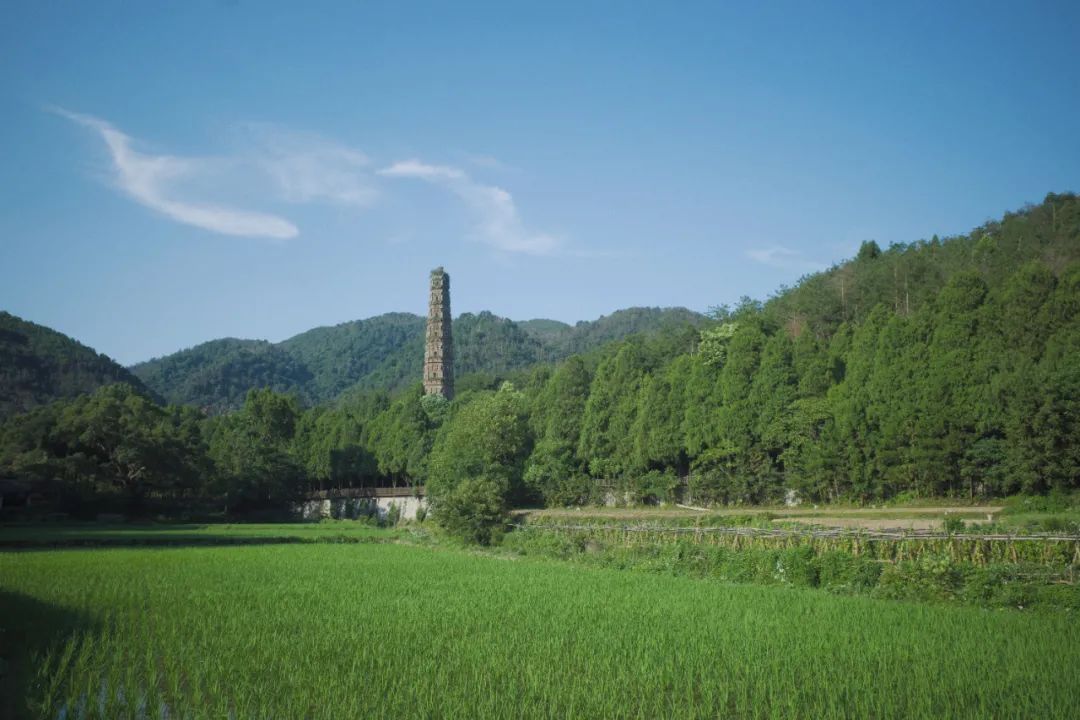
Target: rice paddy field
x,y
329,630
91,534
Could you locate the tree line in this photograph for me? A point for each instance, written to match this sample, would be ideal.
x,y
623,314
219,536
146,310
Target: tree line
x,y
940,368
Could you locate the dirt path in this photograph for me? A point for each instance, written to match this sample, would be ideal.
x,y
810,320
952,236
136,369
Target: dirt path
x,y
883,518
843,517
936,510
867,523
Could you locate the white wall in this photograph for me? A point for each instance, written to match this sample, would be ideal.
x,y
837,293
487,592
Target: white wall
x,y
352,508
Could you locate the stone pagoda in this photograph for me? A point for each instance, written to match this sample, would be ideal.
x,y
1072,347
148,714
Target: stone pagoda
x,y
439,346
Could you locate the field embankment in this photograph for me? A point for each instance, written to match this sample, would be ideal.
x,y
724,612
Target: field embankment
x,y
953,560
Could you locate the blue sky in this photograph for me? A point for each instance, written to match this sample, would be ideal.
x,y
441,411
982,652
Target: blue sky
x,y
172,173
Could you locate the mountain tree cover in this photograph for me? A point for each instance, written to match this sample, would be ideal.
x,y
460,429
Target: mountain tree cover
x,y
939,368
562,340
381,353
39,365
216,376
339,357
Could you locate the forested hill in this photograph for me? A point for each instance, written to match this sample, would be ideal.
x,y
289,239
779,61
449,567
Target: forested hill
x,y
905,278
216,375
564,340
39,365
938,368
384,352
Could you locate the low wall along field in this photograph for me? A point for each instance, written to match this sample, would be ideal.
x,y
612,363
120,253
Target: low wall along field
x,y
407,508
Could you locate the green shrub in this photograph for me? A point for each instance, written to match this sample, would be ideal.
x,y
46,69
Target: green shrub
x,y
652,488
1054,502
929,578
797,566
570,491
1058,524
475,510
953,525
843,572
544,544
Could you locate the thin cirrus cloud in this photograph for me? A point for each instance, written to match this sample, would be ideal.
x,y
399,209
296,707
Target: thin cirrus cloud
x,y
499,224
151,181
784,259
307,168
298,168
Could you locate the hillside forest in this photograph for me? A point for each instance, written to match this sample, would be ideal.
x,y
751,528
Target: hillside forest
x,y
381,353
943,367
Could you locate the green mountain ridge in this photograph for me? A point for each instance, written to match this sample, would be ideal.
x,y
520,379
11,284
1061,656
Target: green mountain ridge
x,y
383,352
325,364
938,368
39,365
906,277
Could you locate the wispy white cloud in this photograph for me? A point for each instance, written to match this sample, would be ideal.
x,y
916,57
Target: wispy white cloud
x,y
784,259
151,179
308,168
423,171
499,223
298,168
488,162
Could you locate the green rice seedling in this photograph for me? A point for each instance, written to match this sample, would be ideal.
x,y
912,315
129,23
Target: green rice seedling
x,y
380,630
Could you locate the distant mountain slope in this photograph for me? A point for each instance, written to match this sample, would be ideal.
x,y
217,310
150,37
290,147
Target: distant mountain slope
x,y
483,343
39,365
216,375
340,356
907,276
383,352
590,334
562,340
546,331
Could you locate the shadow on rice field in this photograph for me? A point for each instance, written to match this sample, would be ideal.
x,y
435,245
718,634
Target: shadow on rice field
x,y
38,630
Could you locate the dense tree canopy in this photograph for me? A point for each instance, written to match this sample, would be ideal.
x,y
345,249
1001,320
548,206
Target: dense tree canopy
x,y
39,365
382,353
937,368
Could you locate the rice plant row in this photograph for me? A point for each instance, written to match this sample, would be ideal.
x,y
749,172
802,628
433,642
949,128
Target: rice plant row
x,y
330,631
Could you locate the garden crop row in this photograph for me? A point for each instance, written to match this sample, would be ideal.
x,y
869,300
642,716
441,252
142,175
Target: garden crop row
x,y
895,546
